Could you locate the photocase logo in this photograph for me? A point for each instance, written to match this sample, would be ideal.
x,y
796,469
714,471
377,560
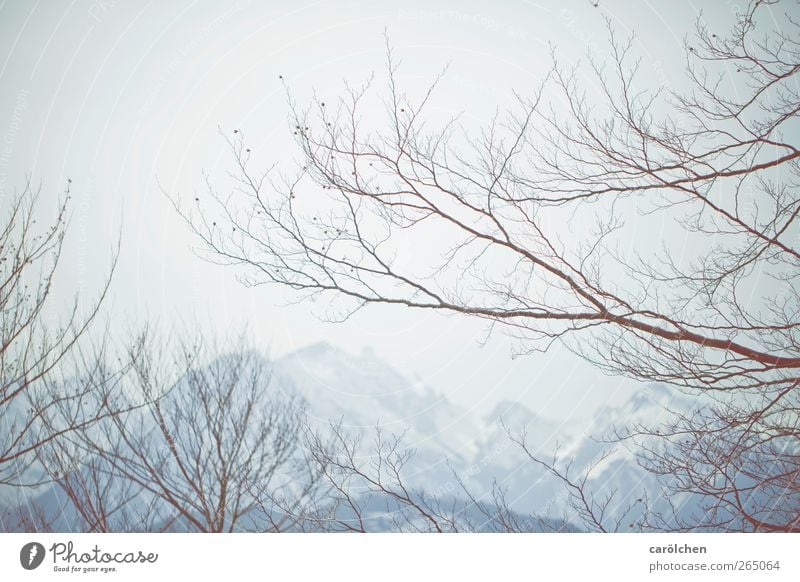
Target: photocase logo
x,y
31,555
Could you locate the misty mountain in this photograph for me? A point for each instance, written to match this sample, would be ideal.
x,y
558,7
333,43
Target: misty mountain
x,y
364,392
454,447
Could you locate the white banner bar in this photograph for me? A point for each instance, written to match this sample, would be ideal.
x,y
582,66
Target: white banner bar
x,y
350,558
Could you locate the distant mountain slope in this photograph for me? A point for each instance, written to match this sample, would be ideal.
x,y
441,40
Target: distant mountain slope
x,y
452,443
365,392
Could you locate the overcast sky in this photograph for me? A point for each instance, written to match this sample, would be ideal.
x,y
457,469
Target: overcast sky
x,y
123,96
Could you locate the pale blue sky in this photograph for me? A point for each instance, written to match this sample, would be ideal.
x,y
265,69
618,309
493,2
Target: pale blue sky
x,y
117,95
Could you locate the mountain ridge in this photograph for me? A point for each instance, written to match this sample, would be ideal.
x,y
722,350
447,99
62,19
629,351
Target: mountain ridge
x,y
452,444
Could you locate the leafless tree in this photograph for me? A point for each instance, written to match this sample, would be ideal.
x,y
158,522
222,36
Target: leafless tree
x,y
728,464
50,371
544,224
738,460
88,494
365,487
96,499
596,510
25,515
211,439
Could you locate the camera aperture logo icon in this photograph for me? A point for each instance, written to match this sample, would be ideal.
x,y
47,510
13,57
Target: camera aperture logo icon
x,y
31,555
